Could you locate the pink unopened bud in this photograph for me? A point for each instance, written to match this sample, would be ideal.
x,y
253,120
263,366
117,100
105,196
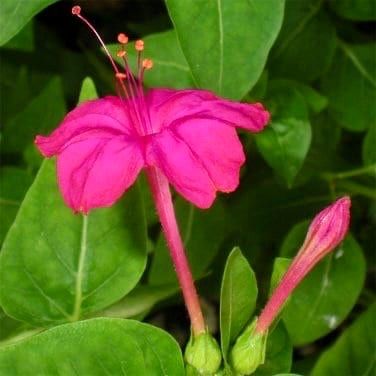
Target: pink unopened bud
x,y
326,231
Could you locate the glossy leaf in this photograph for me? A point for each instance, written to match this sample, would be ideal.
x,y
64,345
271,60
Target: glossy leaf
x,y
88,90
328,293
170,68
139,301
278,356
24,40
14,183
294,239
202,232
305,46
10,328
285,142
315,101
354,353
350,86
40,116
238,298
67,266
364,10
95,347
225,42
15,14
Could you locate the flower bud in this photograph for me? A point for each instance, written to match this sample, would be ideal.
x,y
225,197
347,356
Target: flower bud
x,y
249,350
326,231
203,354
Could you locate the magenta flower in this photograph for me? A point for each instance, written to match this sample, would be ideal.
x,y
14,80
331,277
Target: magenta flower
x,y
326,231
183,137
189,135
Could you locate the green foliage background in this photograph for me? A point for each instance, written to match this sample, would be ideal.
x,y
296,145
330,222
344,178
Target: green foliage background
x,y
313,64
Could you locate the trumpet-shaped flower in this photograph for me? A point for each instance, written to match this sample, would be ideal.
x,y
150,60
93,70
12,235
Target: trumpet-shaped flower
x,y
189,135
186,138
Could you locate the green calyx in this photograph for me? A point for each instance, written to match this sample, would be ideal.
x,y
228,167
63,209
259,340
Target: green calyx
x,y
249,350
203,355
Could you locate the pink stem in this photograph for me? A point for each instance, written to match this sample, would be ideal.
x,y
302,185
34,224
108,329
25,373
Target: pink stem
x,y
163,200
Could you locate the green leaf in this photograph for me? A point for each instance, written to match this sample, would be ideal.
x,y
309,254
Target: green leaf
x,y
354,353
328,293
226,43
305,46
56,266
315,101
285,142
170,67
95,347
278,356
23,41
238,297
10,328
139,301
323,153
368,150
15,14
202,233
364,10
88,90
14,184
294,239
39,116
350,86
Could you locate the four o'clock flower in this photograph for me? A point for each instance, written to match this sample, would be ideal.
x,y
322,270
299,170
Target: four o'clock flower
x,y
185,138
326,231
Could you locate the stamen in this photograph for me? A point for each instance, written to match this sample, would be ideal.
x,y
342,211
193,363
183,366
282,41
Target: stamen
x,y
76,11
147,63
122,38
120,53
139,45
121,76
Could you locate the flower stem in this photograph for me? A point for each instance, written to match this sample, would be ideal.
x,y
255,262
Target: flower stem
x,y
365,170
163,201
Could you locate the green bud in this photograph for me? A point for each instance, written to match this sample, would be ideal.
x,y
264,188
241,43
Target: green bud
x,y
249,350
203,354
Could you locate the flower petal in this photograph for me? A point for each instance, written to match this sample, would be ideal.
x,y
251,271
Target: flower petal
x,y
96,118
95,172
218,148
167,106
181,167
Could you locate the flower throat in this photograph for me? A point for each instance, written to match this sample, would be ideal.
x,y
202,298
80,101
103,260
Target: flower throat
x,y
128,87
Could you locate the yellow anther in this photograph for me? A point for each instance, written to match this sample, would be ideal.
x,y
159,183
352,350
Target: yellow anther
x,y
121,53
139,45
122,38
121,76
147,63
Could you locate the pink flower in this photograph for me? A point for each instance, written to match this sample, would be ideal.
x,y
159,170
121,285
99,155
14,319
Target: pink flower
x,y
189,135
326,231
